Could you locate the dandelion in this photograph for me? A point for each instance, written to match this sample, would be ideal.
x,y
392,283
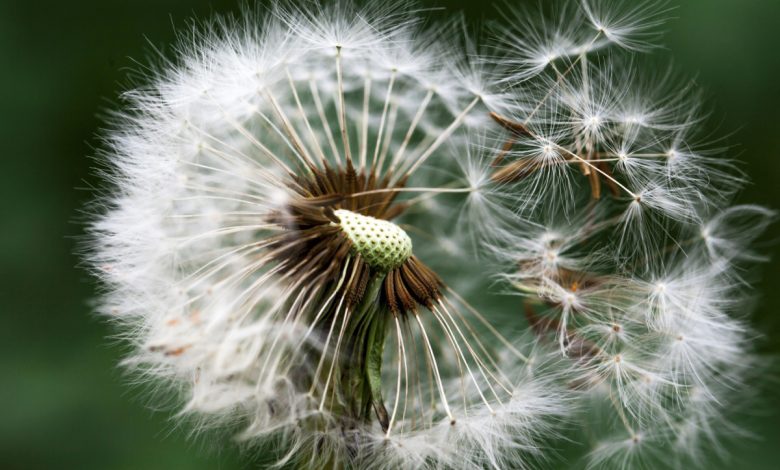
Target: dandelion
x,y
252,255
307,201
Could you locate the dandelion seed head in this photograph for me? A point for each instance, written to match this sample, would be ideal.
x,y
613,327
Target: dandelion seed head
x,y
268,181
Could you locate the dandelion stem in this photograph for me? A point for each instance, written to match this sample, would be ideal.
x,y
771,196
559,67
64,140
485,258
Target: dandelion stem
x,y
487,324
364,122
412,127
296,141
560,79
380,132
411,190
445,324
342,106
312,137
435,368
443,136
324,120
599,170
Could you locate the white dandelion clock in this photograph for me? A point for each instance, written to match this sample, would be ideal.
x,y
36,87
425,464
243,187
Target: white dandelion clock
x,y
253,256
308,203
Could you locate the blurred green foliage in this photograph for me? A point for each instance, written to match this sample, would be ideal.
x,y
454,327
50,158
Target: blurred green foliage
x,y
64,403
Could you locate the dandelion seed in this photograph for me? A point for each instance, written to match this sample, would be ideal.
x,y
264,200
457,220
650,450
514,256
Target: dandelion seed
x,y
623,246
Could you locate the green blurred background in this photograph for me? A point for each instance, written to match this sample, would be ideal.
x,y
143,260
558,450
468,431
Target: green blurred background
x,y
64,404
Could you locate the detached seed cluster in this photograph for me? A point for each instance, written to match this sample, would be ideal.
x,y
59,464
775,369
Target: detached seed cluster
x,y
382,244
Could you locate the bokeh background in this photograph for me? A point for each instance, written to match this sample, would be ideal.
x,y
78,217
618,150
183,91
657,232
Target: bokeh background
x,y
63,403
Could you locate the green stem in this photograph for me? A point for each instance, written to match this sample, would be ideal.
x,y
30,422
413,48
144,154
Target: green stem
x,y
363,370
373,372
